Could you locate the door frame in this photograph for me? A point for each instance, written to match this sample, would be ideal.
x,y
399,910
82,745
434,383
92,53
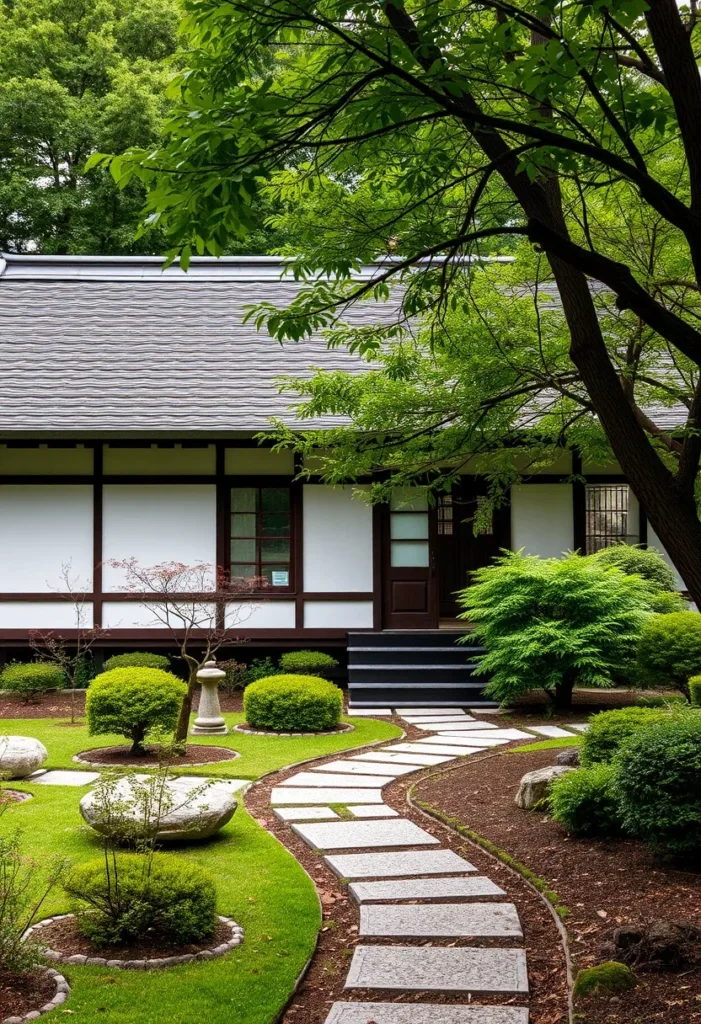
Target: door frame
x,y
390,575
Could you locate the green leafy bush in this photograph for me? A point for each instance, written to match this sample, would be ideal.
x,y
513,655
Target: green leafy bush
x,y
609,729
236,676
131,897
261,668
550,623
31,679
695,690
658,772
585,803
634,560
137,659
84,671
669,652
133,701
293,704
308,663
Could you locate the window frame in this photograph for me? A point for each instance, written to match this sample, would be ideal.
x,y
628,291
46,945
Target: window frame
x,y
260,482
609,539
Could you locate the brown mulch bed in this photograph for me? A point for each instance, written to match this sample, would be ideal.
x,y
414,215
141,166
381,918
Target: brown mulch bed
x,y
195,753
20,994
604,884
64,937
324,981
51,705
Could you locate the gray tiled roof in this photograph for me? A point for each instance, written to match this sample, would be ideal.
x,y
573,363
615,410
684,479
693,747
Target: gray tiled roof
x,y
116,345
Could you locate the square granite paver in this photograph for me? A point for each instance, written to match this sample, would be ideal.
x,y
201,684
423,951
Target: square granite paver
x,y
321,778
440,921
373,811
360,712
438,969
285,797
305,814
440,747
462,717
463,739
578,726
470,886
429,711
355,866
358,835
551,731
364,768
457,725
391,754
425,1013
58,777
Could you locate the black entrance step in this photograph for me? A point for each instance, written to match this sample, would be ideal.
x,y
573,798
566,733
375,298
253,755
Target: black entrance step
x,y
405,668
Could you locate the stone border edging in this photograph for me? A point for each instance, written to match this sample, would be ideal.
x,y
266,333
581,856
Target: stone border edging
x,y
190,764
146,964
63,990
347,727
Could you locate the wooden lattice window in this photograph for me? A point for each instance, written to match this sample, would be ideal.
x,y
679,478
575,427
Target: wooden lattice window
x,y
607,516
261,534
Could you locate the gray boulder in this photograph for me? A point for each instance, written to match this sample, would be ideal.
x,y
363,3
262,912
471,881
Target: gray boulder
x,y
20,756
569,756
534,786
179,810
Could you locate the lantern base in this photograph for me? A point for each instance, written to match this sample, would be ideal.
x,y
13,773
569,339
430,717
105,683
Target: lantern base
x,y
209,728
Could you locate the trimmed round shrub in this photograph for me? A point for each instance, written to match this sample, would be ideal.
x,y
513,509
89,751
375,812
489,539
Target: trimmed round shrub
x,y
132,702
137,659
31,679
585,803
293,704
695,690
308,663
645,562
669,650
133,897
657,778
609,729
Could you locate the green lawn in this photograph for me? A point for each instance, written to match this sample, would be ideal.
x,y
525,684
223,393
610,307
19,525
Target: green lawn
x,y
259,754
260,885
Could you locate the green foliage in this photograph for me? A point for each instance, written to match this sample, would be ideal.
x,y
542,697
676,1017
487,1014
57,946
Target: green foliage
x,y
605,979
30,679
137,659
670,650
548,622
291,703
308,663
132,702
131,898
695,690
237,675
658,773
645,562
84,671
660,700
610,729
261,668
584,801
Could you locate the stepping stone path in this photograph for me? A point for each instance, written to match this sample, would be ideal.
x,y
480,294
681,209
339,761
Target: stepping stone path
x,y
58,777
444,898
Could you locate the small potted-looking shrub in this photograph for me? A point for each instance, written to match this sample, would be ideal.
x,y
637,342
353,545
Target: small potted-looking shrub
x,y
32,679
293,703
133,702
308,663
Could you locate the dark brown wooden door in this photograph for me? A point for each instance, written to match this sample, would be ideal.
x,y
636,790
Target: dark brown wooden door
x,y
409,563
459,550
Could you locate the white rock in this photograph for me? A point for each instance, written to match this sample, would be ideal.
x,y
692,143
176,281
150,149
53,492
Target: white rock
x,y
192,809
534,786
20,756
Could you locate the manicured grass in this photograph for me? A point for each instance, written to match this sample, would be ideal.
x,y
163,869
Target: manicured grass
x,y
259,754
259,883
552,744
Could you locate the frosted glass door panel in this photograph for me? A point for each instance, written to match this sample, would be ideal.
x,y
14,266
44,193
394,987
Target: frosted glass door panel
x,y
409,553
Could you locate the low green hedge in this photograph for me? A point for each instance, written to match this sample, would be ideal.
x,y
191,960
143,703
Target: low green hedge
x,y
292,703
137,659
30,679
669,650
308,663
585,802
609,729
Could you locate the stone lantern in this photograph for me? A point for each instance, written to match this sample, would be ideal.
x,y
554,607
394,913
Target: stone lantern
x,y
209,721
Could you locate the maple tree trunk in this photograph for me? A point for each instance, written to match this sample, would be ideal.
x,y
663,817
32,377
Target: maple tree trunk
x,y
183,725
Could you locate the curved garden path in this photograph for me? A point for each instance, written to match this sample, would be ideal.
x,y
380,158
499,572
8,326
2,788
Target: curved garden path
x,y
432,924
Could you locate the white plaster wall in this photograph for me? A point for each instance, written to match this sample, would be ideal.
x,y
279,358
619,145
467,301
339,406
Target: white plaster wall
x,y
137,615
338,614
42,615
542,519
260,615
43,528
654,542
337,540
156,523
